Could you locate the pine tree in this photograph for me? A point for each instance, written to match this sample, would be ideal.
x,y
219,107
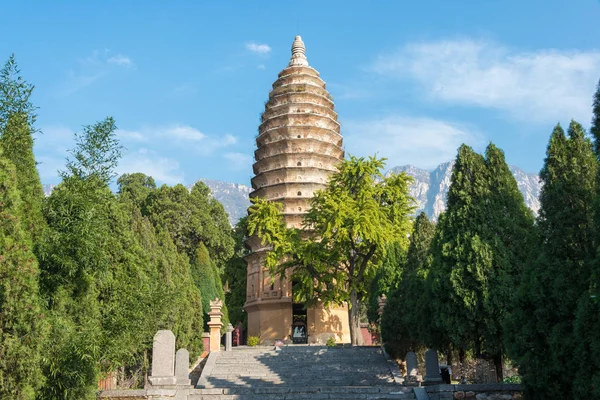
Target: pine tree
x,y
22,321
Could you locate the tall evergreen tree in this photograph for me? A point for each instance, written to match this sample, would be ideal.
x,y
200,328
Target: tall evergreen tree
x,y
234,276
482,243
587,322
17,115
17,142
551,289
22,321
403,327
387,278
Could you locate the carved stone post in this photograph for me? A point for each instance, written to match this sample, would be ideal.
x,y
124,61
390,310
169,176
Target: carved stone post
x,y
215,324
228,337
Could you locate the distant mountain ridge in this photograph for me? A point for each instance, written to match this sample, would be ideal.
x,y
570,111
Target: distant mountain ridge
x,y
429,189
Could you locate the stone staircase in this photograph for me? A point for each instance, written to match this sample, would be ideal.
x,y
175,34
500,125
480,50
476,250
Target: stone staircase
x,y
298,372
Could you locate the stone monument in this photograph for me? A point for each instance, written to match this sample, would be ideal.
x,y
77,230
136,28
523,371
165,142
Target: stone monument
x,y
163,359
182,367
412,377
432,368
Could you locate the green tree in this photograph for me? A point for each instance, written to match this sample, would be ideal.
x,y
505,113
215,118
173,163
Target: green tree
x,y
551,289
402,317
482,242
235,275
135,188
107,293
386,279
22,321
14,95
191,218
17,115
403,327
206,278
352,222
587,321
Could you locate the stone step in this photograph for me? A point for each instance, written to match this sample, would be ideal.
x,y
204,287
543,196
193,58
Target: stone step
x,y
300,393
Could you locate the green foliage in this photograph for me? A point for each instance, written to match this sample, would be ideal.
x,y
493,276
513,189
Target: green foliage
x,y
235,275
331,342
253,341
206,277
14,95
352,223
191,218
111,280
387,278
512,379
551,288
481,245
22,321
97,152
17,142
403,327
595,128
135,188
16,128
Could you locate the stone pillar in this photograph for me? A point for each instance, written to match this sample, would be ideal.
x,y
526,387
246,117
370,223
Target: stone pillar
x,y
228,338
412,377
215,324
182,367
163,359
381,300
432,368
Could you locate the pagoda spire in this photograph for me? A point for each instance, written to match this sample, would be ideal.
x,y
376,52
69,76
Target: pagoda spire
x,y
298,53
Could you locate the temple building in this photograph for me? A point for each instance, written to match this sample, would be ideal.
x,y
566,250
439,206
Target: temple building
x,y
298,147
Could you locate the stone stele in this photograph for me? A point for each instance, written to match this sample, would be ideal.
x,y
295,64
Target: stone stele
x,y
432,367
182,367
163,359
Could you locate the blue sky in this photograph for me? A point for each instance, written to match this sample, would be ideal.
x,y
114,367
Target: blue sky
x,y
186,81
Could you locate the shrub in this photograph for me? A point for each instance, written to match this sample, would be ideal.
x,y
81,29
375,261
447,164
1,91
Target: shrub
x,y
331,341
253,341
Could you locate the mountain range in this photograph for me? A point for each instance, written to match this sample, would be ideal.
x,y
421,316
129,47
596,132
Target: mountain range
x,y
429,189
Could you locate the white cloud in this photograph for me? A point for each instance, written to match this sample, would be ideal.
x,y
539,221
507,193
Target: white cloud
x,y
238,161
422,142
184,132
126,135
542,85
258,48
91,68
162,169
120,60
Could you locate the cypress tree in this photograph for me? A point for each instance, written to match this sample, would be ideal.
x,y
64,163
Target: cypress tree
x,y
587,321
22,321
462,261
552,287
482,244
387,278
402,319
235,275
16,128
